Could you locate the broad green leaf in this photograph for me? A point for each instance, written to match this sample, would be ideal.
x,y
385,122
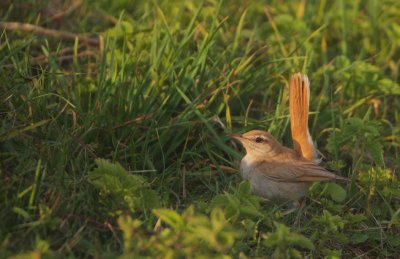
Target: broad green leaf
x,y
388,86
300,240
170,217
359,238
395,241
218,201
250,210
121,29
245,188
376,151
336,192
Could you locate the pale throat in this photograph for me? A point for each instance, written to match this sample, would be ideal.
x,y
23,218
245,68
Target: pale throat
x,y
253,157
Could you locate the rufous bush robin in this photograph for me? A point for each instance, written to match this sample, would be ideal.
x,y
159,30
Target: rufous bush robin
x,y
277,172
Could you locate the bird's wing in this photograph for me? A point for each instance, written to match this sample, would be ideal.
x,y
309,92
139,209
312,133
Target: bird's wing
x,y
299,97
301,171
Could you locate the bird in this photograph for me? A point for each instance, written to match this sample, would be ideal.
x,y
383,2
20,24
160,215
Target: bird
x,y
279,173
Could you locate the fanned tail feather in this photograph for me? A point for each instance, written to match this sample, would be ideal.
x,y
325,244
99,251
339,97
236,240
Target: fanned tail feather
x,y
299,96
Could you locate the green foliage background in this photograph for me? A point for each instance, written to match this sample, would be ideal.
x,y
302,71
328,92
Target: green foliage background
x,y
123,150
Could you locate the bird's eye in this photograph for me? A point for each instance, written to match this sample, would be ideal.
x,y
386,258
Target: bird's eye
x,y
259,139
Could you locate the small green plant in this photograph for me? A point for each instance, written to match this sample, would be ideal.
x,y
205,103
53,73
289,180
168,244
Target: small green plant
x,y
285,243
329,230
120,190
179,235
348,139
240,204
332,190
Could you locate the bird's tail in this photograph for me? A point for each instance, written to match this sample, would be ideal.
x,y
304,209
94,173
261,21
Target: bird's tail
x,y
299,97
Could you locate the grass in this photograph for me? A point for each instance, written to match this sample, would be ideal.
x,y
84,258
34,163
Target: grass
x,y
123,150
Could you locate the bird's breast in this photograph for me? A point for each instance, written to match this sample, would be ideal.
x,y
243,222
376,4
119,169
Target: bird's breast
x,y
245,169
263,186
247,166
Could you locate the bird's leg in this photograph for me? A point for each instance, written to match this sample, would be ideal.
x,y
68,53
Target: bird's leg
x,y
293,206
302,205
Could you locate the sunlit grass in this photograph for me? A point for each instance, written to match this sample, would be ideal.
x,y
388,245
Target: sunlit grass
x,y
171,80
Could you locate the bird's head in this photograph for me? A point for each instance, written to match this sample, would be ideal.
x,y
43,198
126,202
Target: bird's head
x,y
258,143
